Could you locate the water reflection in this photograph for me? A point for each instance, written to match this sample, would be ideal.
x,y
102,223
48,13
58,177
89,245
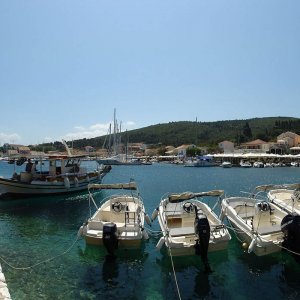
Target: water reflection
x,y
110,270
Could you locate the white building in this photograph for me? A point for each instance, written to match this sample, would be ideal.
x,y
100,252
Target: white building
x,y
227,147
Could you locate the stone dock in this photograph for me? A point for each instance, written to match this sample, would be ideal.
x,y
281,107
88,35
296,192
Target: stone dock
x,y
4,293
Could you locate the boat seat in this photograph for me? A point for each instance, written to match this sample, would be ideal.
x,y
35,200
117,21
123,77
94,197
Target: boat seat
x,y
182,231
94,233
265,223
129,234
246,215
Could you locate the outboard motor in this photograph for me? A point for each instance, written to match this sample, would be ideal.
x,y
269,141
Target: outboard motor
x,y
202,229
290,226
109,238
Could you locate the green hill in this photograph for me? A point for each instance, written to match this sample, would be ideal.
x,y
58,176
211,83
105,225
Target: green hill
x,y
203,133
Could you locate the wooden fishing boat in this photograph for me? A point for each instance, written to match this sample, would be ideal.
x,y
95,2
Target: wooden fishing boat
x,y
64,175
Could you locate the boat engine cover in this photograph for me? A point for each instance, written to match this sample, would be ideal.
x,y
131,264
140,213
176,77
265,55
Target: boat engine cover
x,y
202,229
109,238
290,226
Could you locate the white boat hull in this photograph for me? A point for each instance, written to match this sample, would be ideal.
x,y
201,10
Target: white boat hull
x,y
259,232
129,222
286,199
178,228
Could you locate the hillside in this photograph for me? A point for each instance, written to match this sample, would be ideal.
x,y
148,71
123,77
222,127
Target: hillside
x,y
204,133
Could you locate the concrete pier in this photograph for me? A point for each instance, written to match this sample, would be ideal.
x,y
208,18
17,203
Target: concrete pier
x,y
4,293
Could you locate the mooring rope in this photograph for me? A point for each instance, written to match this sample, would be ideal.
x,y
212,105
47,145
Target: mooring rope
x,y
154,233
175,278
41,262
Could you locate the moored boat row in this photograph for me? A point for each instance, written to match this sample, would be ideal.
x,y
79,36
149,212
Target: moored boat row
x,y
189,226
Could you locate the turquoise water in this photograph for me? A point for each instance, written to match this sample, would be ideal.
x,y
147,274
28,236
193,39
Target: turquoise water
x,y
40,229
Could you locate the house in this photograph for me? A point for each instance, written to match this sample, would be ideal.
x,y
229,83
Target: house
x,y
24,150
179,151
256,146
226,147
290,139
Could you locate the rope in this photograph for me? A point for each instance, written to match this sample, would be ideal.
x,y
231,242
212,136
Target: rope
x,y
41,262
175,278
296,253
153,232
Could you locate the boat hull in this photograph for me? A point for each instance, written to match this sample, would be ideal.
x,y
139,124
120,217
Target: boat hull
x,y
122,243
9,187
190,250
259,231
260,248
178,227
119,218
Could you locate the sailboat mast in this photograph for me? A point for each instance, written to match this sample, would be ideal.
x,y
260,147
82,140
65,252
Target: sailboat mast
x,y
115,134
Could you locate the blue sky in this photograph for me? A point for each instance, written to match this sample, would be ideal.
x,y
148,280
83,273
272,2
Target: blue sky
x,y
66,64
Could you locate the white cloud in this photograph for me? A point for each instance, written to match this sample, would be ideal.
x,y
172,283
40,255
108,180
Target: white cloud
x,y
92,131
130,125
95,130
12,138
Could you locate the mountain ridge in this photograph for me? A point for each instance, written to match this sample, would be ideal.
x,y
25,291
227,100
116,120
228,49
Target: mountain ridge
x,y
204,133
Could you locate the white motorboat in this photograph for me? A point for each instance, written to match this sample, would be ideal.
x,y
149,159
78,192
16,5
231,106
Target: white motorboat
x,y
201,161
119,221
258,164
245,164
122,160
190,226
286,196
64,175
257,224
226,164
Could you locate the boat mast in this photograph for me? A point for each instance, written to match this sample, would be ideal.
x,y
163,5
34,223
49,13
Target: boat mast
x,y
115,134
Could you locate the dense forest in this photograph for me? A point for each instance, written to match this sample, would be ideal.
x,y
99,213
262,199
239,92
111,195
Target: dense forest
x,y
200,133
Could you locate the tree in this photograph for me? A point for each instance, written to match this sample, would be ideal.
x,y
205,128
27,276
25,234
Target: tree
x,y
247,130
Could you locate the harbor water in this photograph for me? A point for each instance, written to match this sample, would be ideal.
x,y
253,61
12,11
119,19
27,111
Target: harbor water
x,y
42,258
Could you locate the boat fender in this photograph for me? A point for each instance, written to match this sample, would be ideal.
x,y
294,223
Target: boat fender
x,y
76,181
147,218
222,215
67,182
154,214
252,245
80,232
87,178
245,245
160,243
145,234
84,229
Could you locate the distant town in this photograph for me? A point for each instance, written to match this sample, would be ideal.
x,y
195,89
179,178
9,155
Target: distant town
x,y
288,143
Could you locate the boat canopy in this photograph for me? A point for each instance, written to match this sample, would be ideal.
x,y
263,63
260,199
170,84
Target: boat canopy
x,y
114,186
190,195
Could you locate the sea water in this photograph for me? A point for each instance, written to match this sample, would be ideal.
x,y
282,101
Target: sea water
x,y
42,258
